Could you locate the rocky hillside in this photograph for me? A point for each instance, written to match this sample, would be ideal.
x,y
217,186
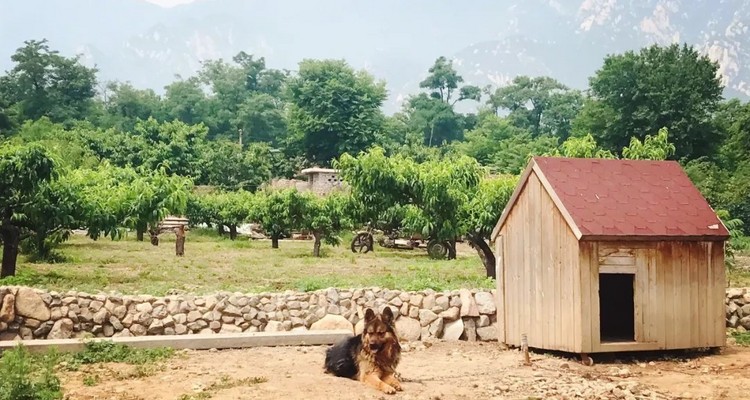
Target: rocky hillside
x,y
492,41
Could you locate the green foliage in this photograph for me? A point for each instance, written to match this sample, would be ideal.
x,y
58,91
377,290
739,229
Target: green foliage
x,y
438,190
333,110
541,105
652,148
229,167
378,186
637,93
581,147
483,210
443,80
149,197
44,83
23,377
495,142
326,217
436,120
735,242
278,211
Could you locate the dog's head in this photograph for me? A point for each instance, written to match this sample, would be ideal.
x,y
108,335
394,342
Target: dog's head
x,y
379,331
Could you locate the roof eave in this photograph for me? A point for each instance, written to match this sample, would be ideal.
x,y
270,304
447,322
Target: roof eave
x,y
653,238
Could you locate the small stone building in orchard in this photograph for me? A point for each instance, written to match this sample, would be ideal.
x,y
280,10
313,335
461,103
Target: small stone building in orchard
x,y
599,255
322,180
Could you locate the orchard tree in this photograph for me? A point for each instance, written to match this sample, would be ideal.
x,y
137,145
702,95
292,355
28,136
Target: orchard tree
x,y
147,197
635,94
278,212
438,189
333,110
377,186
77,199
325,217
481,213
232,209
23,171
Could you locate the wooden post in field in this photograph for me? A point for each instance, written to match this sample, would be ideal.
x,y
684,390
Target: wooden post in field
x,y
180,242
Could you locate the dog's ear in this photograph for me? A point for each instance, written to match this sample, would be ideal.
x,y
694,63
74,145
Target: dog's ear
x,y
369,315
388,315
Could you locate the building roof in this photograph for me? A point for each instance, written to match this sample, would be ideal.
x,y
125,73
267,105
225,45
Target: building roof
x,y
317,170
616,199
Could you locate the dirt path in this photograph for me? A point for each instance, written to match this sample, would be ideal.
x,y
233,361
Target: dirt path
x,y
442,371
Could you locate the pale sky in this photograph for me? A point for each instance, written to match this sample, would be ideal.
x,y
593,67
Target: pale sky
x,y
169,3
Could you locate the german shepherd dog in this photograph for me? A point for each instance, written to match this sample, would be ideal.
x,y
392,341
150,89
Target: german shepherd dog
x,y
370,357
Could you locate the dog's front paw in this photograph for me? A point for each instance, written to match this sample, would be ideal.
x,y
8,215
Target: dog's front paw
x,y
393,381
387,389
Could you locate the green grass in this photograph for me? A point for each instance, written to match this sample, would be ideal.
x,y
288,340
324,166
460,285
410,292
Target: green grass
x,y
213,263
742,338
33,376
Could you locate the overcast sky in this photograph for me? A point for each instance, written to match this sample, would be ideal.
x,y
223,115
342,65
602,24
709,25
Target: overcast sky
x,y
169,3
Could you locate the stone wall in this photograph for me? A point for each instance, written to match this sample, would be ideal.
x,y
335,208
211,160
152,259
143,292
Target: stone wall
x,y
452,315
738,309
35,314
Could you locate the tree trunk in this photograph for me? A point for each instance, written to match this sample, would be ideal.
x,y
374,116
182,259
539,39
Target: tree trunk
x,y
139,231
11,237
232,232
452,249
180,241
275,241
41,245
485,254
316,245
220,229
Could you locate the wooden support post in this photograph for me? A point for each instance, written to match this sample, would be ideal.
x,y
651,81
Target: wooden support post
x,y
525,350
180,242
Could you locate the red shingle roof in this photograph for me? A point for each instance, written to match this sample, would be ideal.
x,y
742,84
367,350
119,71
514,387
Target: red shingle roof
x,y
630,198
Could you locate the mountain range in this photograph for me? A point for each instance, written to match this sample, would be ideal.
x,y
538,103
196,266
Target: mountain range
x,y
490,41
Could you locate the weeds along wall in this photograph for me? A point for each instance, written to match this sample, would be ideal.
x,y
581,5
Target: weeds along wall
x,y
29,313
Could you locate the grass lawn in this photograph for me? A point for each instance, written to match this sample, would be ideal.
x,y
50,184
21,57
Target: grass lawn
x,y
212,263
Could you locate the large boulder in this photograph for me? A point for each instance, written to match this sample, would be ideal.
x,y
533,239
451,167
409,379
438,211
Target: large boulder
x,y
62,329
332,322
8,308
29,304
453,330
408,329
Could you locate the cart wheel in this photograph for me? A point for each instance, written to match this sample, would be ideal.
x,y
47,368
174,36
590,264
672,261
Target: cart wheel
x,y
362,243
437,250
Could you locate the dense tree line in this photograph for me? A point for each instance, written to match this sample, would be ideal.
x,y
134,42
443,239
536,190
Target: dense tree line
x,y
123,157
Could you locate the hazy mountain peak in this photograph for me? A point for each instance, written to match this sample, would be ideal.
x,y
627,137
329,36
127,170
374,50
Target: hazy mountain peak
x,y
491,41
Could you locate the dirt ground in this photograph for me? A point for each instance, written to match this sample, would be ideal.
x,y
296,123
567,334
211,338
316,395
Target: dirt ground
x,y
442,370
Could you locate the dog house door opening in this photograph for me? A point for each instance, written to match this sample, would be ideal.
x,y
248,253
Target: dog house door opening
x,y
617,307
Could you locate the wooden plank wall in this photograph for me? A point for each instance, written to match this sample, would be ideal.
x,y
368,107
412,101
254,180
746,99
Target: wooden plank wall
x,y
679,292
541,280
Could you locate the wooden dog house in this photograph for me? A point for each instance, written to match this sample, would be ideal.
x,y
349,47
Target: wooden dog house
x,y
599,255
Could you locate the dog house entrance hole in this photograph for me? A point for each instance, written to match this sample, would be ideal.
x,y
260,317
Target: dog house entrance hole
x,y
617,307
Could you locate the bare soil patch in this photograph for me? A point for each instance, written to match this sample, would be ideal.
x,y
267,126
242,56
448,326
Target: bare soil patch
x,y
456,370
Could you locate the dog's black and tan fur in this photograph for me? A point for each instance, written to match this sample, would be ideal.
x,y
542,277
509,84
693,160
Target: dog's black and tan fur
x,y
370,357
